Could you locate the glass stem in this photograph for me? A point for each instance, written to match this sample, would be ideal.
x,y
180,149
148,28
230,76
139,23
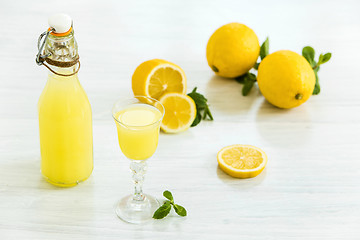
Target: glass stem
x,y
138,167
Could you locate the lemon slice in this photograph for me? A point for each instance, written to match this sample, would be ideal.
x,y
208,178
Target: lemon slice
x,y
180,112
156,77
242,161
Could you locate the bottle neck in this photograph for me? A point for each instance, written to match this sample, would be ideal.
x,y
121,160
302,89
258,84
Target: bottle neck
x,y
61,49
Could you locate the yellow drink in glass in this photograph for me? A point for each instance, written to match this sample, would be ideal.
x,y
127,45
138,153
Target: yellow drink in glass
x,y
138,137
138,125
65,124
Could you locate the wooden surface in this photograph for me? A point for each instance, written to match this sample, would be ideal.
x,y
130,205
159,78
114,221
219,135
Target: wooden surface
x,y
310,188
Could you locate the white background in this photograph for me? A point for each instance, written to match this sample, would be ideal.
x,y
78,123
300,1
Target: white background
x,y
310,187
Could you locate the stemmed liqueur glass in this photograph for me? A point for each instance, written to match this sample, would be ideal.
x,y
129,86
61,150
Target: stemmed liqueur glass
x,y
138,124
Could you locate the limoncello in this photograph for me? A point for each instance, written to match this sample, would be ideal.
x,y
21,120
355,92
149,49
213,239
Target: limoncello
x,y
138,130
65,119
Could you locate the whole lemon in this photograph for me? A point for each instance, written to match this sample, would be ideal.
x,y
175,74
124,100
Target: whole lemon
x,y
286,79
232,50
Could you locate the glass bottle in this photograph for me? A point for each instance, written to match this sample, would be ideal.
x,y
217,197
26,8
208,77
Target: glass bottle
x,y
65,118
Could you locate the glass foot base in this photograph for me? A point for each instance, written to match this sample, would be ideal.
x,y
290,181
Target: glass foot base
x,y
132,211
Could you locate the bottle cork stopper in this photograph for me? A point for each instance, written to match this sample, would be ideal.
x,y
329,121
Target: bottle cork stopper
x,y
60,22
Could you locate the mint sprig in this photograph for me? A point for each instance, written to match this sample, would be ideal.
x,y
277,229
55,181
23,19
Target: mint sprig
x,y
309,54
164,209
202,108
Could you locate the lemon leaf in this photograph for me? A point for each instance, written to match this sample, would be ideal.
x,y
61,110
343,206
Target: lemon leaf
x,y
264,49
317,84
325,59
202,108
197,119
309,54
249,81
241,78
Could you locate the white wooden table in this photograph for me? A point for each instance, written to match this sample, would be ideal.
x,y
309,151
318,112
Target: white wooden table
x,y
310,188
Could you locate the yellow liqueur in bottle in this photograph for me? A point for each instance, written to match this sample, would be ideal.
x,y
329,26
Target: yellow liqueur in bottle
x,y
65,118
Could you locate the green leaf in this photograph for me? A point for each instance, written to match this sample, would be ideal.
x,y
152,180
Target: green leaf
x,y
317,85
309,53
197,119
162,211
208,113
168,195
326,58
202,108
199,99
247,87
252,77
321,57
241,78
249,81
264,49
256,66
180,210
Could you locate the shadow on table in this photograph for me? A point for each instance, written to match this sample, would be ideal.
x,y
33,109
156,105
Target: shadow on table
x,y
26,190
225,95
171,222
240,183
283,127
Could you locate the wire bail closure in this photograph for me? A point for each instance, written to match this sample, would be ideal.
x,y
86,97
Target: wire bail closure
x,y
41,59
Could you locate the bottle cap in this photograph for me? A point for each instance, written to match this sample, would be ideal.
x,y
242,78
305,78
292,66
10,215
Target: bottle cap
x,y
62,23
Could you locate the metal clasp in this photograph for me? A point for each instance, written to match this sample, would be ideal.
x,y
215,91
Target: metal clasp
x,y
41,58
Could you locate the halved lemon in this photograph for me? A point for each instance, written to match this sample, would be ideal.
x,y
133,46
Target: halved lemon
x,y
180,112
242,161
156,77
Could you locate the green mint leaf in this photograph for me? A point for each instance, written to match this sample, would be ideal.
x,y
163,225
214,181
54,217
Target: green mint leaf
x,y
264,49
326,58
248,84
252,77
199,99
202,108
241,78
321,57
208,113
162,211
309,54
181,211
317,84
168,195
197,119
